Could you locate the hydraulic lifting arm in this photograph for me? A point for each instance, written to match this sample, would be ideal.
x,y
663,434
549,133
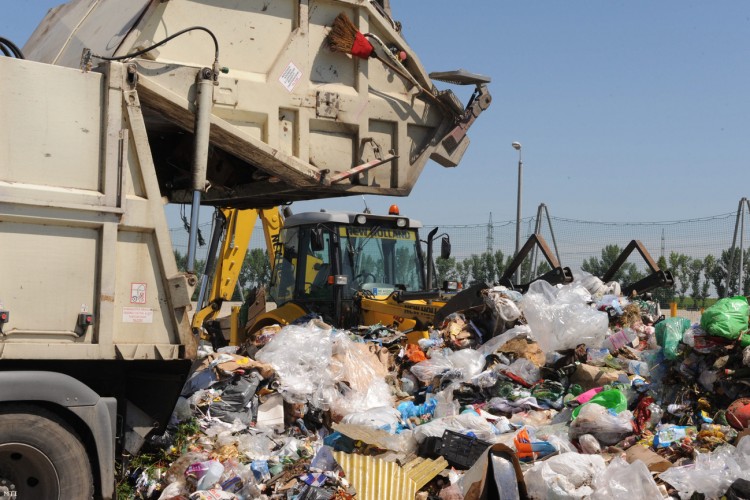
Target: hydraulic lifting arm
x,y
237,230
657,279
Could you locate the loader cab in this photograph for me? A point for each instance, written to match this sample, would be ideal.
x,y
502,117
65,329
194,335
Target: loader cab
x,y
324,259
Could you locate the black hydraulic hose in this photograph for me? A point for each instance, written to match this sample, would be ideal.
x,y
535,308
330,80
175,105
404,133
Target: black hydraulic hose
x,y
4,50
4,42
157,44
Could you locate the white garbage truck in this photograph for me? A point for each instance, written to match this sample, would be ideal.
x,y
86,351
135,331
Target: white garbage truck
x,y
114,109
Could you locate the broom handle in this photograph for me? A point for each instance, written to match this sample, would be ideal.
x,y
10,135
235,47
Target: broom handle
x,y
399,69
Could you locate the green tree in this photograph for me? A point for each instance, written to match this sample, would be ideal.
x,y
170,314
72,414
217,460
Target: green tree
x,y
598,266
695,273
445,269
477,268
733,286
256,269
200,268
709,262
463,272
680,265
664,295
717,273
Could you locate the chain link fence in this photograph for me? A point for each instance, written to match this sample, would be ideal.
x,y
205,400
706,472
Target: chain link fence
x,y
576,241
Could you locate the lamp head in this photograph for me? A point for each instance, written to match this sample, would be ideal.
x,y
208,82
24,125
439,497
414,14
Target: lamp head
x,y
516,146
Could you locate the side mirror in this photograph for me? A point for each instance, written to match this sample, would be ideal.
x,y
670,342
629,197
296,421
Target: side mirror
x,y
445,247
316,239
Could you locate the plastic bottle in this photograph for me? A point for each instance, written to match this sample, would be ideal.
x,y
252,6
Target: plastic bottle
x,y
656,414
211,476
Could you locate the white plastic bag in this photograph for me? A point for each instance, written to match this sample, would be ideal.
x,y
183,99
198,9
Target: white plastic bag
x,y
463,423
386,418
495,343
560,318
589,444
467,363
300,354
624,481
606,427
565,476
711,473
525,369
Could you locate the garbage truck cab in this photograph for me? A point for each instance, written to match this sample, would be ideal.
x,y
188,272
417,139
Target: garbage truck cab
x,y
351,269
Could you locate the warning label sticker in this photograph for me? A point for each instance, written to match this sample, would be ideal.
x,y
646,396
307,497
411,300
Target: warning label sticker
x,y
290,77
138,293
137,315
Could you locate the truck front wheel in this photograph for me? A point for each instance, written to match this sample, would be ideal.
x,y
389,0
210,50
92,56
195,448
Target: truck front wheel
x,y
41,456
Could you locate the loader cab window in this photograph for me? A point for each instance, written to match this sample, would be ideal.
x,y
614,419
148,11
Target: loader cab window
x,y
303,265
317,268
285,268
381,260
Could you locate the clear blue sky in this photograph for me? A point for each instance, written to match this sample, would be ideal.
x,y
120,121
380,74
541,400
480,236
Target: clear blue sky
x,y
627,110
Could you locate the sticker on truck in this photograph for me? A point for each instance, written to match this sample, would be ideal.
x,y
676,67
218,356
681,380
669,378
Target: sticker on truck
x,y
138,293
290,77
137,315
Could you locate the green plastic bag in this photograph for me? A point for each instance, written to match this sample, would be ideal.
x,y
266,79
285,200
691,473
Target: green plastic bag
x,y
612,400
727,318
669,335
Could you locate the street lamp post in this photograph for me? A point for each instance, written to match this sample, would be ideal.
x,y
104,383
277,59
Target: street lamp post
x,y
517,147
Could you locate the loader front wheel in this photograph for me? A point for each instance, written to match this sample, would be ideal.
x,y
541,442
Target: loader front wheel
x,y
41,456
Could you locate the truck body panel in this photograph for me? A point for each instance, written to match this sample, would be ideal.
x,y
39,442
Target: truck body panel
x,y
290,117
84,230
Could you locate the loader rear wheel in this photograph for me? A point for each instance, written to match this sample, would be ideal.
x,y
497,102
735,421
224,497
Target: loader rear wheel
x,y
41,456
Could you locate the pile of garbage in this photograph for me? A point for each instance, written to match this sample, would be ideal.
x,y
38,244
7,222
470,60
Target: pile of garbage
x,y
566,392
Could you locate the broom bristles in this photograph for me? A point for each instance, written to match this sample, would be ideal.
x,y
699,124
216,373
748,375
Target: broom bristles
x,y
342,34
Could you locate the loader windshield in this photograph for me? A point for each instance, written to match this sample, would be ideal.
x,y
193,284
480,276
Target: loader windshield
x,y
380,259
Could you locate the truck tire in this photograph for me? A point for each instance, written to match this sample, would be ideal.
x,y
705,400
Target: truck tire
x,y
41,456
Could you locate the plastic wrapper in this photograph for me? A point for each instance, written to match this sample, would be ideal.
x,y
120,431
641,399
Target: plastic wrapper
x,y
619,339
495,343
604,426
597,357
204,474
596,287
667,434
624,481
534,418
214,494
360,377
560,319
466,363
300,354
326,369
172,490
564,476
589,444
384,417
445,405
502,303
669,333
234,399
557,436
727,318
463,423
711,473
256,446
526,370
612,399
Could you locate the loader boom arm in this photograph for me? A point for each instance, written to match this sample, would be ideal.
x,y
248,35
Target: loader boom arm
x,y
239,228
